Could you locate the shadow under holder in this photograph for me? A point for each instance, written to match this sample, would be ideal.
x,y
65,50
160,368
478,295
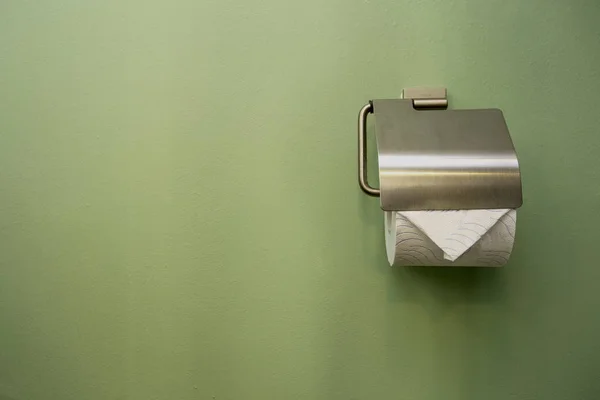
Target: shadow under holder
x,y
431,158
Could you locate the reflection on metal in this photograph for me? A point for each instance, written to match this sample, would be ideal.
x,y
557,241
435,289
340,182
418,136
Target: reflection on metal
x,y
439,160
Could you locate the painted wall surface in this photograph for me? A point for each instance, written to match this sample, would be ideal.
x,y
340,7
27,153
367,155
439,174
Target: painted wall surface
x,y
180,218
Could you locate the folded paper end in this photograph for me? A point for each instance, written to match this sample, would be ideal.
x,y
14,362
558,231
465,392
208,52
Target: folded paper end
x,y
454,231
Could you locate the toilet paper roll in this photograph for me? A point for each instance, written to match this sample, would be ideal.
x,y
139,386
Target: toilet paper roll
x,y
450,238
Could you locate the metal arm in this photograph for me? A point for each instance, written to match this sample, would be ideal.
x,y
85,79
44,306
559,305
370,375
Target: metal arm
x,y
362,151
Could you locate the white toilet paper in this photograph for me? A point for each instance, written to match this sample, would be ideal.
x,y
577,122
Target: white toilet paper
x,y
450,238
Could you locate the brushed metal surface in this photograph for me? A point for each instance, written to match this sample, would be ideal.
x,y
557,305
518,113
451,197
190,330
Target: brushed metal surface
x,y
443,160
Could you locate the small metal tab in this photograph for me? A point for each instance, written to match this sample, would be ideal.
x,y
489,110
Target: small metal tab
x,y
424,98
439,160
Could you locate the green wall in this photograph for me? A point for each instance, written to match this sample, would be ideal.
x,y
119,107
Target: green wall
x,y
180,217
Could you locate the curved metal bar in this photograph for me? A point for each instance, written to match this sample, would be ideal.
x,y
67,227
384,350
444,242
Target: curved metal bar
x,y
362,151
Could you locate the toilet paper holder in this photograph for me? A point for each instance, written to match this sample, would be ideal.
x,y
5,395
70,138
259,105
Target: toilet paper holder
x,y
431,158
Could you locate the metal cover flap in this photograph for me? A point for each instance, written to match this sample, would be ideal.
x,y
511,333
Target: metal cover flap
x,y
444,160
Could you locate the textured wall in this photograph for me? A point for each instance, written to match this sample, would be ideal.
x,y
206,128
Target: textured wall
x,y
180,219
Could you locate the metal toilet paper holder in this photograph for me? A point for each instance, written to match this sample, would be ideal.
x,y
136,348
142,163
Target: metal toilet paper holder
x,y
431,158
